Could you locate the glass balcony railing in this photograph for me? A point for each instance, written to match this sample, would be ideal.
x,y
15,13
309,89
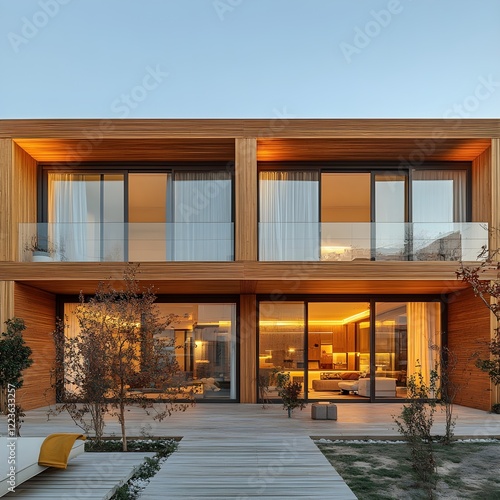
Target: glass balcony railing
x,y
123,242
372,241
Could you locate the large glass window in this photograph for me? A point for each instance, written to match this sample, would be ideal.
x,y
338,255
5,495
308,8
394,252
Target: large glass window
x,y
340,355
153,216
377,214
204,336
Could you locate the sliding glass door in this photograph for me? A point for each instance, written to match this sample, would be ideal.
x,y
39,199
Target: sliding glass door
x,y
151,216
345,216
341,350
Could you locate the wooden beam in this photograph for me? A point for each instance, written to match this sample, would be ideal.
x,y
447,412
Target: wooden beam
x,y
248,348
246,200
94,130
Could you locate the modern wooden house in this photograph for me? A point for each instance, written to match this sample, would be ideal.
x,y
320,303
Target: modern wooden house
x,y
324,248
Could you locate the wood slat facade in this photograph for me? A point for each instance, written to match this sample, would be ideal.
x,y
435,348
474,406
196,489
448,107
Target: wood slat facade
x,y
468,335
30,290
38,309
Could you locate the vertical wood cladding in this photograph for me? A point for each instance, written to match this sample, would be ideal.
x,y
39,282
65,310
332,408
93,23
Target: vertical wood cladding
x,y
6,183
469,328
24,194
248,349
481,187
495,193
6,302
37,308
246,199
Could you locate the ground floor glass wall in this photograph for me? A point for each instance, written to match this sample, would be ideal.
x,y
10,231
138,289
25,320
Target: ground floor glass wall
x,y
335,351
204,336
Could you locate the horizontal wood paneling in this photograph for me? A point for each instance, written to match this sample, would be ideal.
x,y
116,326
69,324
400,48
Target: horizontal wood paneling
x,y
38,309
281,288
468,332
274,127
66,277
248,349
406,151
145,149
246,199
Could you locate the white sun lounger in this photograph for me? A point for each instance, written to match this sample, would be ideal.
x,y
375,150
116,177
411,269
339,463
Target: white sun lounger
x,y
22,454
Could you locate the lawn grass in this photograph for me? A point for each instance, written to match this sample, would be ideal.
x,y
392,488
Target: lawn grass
x,y
380,471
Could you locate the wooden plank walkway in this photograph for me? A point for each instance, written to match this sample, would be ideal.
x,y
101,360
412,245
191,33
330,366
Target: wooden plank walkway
x,y
90,475
247,467
215,436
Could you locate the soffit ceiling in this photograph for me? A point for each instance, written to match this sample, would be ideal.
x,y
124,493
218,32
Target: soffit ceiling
x,y
314,149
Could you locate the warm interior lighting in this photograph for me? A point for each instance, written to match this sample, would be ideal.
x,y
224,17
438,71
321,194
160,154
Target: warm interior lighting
x,y
339,250
319,322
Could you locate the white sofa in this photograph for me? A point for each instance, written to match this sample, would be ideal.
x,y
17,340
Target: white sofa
x,y
384,387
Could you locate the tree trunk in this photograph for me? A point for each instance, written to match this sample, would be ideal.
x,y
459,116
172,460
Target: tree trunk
x,y
122,425
289,412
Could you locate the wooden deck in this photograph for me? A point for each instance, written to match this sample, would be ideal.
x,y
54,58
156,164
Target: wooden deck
x,y
244,451
91,475
211,467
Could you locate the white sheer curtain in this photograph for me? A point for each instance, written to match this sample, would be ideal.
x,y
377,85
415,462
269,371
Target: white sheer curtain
x,y
423,337
68,216
201,216
439,195
289,216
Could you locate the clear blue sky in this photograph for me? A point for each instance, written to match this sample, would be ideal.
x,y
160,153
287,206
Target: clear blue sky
x,y
249,58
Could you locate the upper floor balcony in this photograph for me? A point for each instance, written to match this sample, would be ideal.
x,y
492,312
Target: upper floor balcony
x,y
214,242
124,242
391,241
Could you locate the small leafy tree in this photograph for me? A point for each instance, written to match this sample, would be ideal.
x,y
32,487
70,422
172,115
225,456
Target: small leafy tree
x,y
119,348
289,392
15,357
415,424
484,279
